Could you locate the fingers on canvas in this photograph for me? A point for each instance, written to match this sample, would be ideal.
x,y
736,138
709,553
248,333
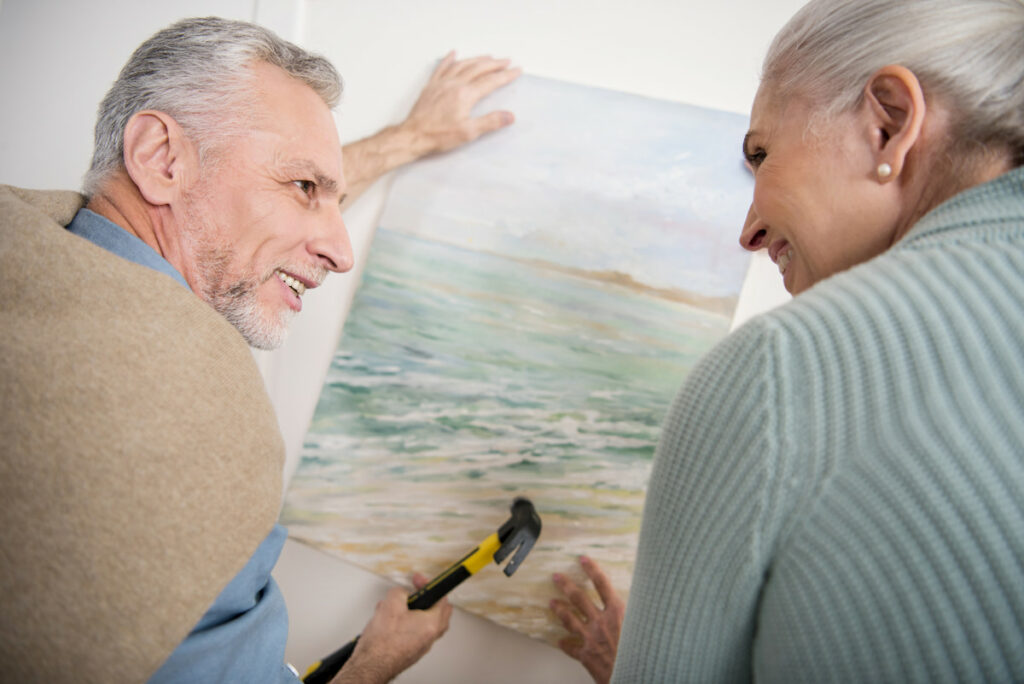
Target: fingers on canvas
x,y
443,67
488,83
609,597
491,121
467,70
577,596
567,617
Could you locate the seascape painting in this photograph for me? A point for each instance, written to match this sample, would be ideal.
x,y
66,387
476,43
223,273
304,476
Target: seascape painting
x,y
531,304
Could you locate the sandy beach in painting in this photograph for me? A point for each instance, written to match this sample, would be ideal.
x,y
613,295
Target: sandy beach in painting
x,y
545,385
394,547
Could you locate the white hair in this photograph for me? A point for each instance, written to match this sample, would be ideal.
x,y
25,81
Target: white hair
x,y
969,53
198,71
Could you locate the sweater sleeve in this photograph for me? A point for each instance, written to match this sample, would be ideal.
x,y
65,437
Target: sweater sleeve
x,y
709,519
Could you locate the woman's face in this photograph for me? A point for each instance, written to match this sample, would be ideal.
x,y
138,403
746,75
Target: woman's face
x,y
818,205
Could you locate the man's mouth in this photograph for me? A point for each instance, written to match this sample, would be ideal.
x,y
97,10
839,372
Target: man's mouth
x,y
298,288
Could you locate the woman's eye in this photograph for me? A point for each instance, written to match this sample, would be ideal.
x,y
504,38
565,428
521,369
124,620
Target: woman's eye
x,y
756,157
306,186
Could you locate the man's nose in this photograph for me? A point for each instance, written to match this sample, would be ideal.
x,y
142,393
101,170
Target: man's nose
x,y
331,245
753,235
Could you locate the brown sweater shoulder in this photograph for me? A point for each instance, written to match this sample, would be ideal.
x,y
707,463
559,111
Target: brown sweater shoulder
x,y
141,462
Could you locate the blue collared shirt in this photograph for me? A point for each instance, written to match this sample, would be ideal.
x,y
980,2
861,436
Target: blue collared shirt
x,y
241,637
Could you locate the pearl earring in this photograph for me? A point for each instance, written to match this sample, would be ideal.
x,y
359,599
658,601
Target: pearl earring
x,y
884,170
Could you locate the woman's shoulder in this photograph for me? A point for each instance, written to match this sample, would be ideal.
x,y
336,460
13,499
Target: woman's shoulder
x,y
950,276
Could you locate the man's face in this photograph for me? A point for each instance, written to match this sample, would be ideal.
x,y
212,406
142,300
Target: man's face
x,y
262,224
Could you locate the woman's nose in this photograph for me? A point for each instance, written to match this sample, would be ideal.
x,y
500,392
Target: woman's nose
x,y
753,235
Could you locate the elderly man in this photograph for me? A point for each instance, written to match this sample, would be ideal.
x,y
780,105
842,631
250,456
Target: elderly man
x,y
141,460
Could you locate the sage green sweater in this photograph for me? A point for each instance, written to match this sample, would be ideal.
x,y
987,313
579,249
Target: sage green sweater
x,y
838,494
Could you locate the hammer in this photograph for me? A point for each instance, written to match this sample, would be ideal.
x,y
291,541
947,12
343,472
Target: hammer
x,y
515,537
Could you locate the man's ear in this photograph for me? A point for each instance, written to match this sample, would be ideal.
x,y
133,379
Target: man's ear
x,y
895,103
158,156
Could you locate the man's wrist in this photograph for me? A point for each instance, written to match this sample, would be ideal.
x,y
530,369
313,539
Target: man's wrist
x,y
410,139
362,671
370,158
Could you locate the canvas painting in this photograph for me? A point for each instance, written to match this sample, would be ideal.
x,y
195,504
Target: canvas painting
x,y
530,306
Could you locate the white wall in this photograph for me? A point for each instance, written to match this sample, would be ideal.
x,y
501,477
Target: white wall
x,y
58,57
57,60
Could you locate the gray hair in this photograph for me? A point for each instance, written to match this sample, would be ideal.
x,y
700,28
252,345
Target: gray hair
x,y
968,53
194,71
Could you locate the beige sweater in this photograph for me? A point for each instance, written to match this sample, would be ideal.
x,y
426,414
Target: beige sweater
x,y
140,459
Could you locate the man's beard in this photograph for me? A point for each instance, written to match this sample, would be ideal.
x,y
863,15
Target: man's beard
x,y
237,300
238,303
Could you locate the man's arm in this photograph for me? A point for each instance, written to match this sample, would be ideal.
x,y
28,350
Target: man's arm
x,y
439,121
395,638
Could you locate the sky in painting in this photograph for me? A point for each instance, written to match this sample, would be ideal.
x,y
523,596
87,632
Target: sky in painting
x,y
592,179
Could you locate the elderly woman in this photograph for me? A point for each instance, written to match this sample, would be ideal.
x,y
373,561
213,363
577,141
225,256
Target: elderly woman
x,y
838,494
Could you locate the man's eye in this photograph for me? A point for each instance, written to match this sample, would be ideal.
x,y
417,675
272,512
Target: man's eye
x,y
306,186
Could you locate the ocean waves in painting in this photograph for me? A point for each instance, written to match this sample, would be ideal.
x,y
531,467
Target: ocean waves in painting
x,y
463,380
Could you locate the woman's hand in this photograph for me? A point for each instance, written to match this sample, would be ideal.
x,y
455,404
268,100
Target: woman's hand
x,y
594,631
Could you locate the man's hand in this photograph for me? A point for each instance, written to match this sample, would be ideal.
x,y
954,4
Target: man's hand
x,y
395,638
594,631
439,121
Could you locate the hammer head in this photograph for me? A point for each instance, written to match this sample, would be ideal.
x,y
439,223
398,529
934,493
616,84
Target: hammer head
x,y
518,534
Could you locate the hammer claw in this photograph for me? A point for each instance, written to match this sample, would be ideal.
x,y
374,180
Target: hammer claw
x,y
520,543
518,534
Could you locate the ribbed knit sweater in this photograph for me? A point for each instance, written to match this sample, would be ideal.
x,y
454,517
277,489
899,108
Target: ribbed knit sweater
x,y
838,494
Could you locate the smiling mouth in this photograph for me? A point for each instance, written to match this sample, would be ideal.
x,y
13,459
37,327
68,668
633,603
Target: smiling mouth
x,y
298,288
782,260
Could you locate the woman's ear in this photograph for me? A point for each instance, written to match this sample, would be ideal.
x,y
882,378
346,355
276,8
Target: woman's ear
x,y
158,156
895,104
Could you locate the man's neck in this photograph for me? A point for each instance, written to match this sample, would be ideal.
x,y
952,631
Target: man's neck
x,y
120,202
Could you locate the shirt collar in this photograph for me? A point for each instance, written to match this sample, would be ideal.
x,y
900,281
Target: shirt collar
x,y
104,233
